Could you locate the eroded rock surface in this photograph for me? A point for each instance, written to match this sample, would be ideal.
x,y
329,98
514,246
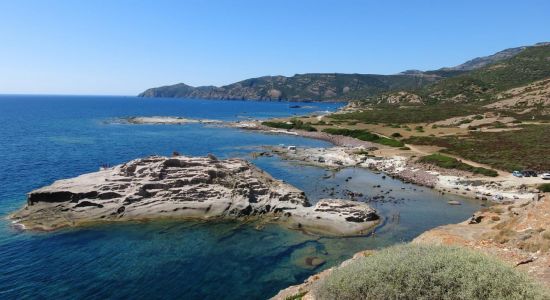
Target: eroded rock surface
x,y
186,187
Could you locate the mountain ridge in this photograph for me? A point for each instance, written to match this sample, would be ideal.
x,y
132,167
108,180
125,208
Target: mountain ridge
x,y
341,87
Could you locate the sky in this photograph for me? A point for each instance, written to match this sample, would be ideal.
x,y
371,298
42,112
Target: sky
x,y
122,47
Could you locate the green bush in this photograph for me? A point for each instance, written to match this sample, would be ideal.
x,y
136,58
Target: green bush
x,y
292,124
545,187
447,162
364,136
410,114
396,135
498,124
281,125
427,272
465,121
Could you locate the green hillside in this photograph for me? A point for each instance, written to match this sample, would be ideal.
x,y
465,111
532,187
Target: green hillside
x,y
312,87
485,83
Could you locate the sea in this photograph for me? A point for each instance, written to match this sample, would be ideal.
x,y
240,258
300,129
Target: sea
x,y
46,138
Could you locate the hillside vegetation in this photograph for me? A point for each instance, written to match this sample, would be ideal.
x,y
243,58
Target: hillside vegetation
x,y
300,87
453,163
483,84
527,148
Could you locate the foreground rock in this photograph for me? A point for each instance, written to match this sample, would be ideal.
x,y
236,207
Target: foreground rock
x,y
187,187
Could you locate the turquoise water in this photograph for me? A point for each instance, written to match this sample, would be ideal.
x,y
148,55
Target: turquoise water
x,y
45,138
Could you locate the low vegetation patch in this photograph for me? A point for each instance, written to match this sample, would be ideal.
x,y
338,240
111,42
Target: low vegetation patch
x,y
428,272
447,162
545,187
527,148
364,136
396,135
292,124
410,114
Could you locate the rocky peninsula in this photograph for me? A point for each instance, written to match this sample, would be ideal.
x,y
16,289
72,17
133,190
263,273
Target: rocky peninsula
x,y
166,120
187,188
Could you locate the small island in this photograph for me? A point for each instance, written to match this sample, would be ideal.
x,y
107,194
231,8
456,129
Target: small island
x,y
159,187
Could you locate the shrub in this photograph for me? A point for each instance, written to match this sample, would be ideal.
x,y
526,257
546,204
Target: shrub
x,y
498,124
465,121
447,162
427,272
364,136
297,296
396,134
281,125
545,187
293,124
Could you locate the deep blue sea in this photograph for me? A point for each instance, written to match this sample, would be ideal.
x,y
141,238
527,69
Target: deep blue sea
x,y
45,138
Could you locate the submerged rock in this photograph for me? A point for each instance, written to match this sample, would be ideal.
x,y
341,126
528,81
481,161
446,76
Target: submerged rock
x,y
187,187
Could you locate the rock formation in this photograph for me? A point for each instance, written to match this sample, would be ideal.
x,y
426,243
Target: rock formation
x,y
187,187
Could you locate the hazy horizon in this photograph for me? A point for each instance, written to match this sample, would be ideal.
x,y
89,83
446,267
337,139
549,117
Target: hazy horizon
x,y
124,47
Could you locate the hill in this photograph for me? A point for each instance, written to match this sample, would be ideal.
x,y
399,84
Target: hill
x,y
483,84
468,81
300,87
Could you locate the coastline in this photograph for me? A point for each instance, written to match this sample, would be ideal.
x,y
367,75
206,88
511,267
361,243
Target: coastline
x,y
525,226
401,164
501,191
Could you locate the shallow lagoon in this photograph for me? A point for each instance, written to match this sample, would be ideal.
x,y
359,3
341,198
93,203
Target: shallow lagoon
x,y
48,138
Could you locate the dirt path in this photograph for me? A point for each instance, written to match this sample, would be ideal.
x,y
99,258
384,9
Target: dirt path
x,y
427,150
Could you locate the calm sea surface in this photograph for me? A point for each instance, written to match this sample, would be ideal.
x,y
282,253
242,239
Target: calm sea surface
x,y
45,138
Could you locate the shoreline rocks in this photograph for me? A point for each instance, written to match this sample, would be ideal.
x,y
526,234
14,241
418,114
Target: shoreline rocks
x,y
496,190
188,188
166,120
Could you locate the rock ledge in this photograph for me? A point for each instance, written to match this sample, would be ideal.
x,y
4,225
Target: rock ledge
x,y
187,187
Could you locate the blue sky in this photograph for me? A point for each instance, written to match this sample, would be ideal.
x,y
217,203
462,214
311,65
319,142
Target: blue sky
x,y
121,47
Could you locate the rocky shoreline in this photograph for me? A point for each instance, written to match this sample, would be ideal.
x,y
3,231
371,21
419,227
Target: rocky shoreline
x,y
187,188
516,233
408,170
165,120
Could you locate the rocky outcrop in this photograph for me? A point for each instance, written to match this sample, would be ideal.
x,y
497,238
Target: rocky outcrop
x,y
166,120
515,232
187,187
